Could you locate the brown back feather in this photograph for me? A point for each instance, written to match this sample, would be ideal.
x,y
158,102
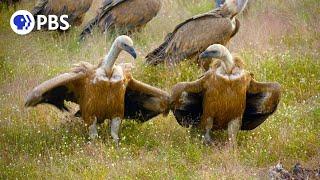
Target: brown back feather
x,y
75,9
125,15
159,54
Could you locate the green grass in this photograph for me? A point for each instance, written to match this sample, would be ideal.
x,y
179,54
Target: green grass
x,y
45,143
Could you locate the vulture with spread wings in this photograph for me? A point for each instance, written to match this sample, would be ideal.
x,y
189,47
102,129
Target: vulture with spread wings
x,y
75,9
194,35
125,16
105,92
225,97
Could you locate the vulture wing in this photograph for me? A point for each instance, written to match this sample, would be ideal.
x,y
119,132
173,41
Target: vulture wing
x,y
193,36
55,91
187,98
107,5
262,101
143,102
189,111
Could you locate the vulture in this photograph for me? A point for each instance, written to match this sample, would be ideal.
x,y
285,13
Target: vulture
x,y
226,97
107,91
75,9
125,16
194,35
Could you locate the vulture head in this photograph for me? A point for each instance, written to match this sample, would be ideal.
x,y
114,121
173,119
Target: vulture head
x,y
125,43
218,51
236,6
121,43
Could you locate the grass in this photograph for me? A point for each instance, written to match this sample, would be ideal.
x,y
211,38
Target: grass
x,y
45,143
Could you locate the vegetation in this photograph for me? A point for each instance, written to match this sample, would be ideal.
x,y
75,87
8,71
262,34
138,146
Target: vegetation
x,y
279,41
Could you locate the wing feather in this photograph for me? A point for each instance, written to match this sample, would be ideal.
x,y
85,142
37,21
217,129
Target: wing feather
x,y
107,6
193,36
143,102
262,101
187,100
55,91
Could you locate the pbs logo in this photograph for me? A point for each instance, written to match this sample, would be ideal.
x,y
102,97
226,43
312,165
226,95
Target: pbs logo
x,y
22,22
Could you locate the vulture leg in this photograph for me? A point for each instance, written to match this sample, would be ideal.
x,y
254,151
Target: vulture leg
x,y
115,126
233,128
208,128
93,132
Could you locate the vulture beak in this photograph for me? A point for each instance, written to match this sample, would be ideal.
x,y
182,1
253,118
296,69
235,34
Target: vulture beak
x,y
241,4
31,100
131,51
209,54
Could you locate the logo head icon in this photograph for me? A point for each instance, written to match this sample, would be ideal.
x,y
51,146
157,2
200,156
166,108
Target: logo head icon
x,y
22,22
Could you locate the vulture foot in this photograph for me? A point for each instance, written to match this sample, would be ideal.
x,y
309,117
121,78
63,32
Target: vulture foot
x,y
93,132
207,140
207,137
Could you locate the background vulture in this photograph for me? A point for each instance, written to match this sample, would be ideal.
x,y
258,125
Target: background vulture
x,y
226,97
104,92
75,9
125,16
194,35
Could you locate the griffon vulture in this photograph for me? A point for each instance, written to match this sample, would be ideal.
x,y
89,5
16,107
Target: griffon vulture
x,y
75,9
194,35
225,97
125,16
104,92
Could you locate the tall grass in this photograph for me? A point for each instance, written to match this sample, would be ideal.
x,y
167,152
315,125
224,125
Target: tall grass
x,y
279,42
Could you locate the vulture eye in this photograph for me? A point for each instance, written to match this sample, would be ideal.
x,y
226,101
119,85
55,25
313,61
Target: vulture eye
x,y
214,52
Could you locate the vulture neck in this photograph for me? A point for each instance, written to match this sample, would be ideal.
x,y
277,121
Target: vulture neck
x,y
228,62
110,59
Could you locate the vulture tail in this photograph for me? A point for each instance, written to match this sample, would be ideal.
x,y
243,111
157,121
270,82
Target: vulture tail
x,y
158,55
89,27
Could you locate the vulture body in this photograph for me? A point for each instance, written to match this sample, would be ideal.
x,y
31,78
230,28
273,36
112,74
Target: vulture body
x,y
194,35
125,16
225,97
104,92
75,9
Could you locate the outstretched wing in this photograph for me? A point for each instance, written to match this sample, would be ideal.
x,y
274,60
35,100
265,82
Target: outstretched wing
x,y
189,111
57,90
186,100
262,101
143,102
